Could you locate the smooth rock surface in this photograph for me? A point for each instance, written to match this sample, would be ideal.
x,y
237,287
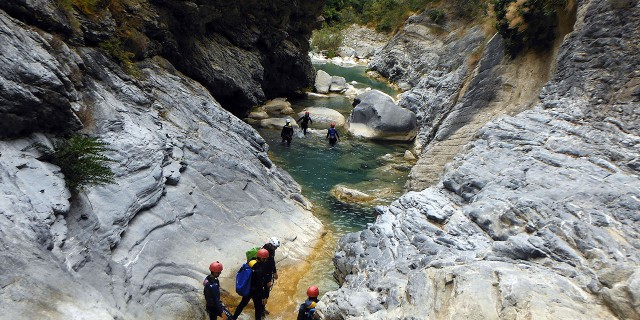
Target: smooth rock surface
x,y
192,182
537,217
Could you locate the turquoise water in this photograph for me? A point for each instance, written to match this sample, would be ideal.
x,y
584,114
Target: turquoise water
x,y
375,168
356,73
356,163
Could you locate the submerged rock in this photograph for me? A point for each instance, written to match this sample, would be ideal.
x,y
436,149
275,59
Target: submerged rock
x,y
345,194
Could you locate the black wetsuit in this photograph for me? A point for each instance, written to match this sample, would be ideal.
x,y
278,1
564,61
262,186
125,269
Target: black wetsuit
x,y
259,290
287,133
332,135
212,297
305,123
270,267
307,309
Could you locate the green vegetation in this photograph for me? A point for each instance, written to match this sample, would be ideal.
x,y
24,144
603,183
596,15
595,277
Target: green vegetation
x,y
128,43
81,159
88,7
115,48
327,39
389,15
522,23
436,15
527,23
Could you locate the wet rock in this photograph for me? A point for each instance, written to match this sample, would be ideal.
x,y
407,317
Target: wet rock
x,y
345,194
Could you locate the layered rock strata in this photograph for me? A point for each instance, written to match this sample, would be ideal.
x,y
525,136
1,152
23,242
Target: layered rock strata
x,y
537,217
243,52
193,185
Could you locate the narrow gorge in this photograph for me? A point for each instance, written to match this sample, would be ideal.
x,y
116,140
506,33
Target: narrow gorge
x,y
524,202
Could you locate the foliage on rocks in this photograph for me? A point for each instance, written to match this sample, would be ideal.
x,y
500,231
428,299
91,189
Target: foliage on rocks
x,y
527,23
389,15
116,49
81,159
85,6
328,39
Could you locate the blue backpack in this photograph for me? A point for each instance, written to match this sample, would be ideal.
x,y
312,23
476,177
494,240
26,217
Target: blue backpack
x,y
243,280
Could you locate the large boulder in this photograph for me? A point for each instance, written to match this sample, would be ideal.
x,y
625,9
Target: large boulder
x,y
322,116
376,116
322,82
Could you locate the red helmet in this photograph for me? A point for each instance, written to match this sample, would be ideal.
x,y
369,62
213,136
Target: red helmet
x,y
307,112
215,267
313,292
333,124
263,253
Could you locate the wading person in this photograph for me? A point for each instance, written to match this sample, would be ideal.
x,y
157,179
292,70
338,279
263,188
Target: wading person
x,y
332,134
304,122
287,132
215,308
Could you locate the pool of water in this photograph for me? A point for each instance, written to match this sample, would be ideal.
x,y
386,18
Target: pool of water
x,y
356,73
375,168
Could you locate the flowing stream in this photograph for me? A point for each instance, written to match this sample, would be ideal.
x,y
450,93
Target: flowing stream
x,y
376,168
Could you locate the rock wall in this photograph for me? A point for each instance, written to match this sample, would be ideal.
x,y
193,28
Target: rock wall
x,y
194,185
537,217
243,52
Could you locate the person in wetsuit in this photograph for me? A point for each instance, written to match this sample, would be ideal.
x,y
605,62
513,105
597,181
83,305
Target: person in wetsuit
x,y
308,307
287,132
259,286
332,134
215,308
271,271
304,122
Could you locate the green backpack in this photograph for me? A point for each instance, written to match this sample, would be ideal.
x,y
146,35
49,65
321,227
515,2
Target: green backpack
x,y
252,253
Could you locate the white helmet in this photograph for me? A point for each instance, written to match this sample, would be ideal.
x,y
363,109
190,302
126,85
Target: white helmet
x,y
274,241
288,120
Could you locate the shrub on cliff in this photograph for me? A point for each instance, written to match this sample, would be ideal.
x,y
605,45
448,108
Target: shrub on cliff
x,y
527,23
328,39
81,159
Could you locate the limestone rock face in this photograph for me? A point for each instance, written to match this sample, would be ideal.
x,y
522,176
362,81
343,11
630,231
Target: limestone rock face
x,y
376,116
243,52
193,181
38,88
538,215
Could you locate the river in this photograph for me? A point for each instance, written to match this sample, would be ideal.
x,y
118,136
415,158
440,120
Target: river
x,y
376,168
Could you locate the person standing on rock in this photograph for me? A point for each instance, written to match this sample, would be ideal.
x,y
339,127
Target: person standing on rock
x,y
259,286
271,271
308,308
215,308
304,122
287,132
332,134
